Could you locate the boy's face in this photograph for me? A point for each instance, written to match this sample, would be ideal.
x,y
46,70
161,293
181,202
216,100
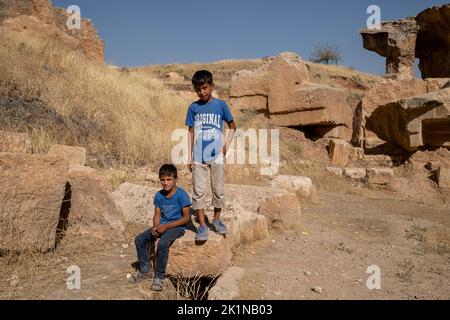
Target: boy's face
x,y
168,182
205,91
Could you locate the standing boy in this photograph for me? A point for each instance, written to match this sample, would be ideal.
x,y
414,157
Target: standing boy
x,y
206,153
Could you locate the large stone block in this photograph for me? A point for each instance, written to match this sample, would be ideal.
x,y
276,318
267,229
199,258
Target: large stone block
x,y
415,122
443,176
296,184
280,88
339,152
380,176
92,209
75,156
190,259
135,203
227,286
356,174
31,195
282,210
384,92
257,103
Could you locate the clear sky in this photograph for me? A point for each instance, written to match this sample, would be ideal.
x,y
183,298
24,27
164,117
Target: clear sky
x,y
140,32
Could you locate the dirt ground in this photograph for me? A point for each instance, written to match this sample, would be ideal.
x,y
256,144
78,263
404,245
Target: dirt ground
x,y
340,236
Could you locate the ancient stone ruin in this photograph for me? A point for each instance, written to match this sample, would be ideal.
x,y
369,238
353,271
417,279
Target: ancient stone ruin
x,y
426,37
403,111
415,122
383,93
39,18
45,196
281,89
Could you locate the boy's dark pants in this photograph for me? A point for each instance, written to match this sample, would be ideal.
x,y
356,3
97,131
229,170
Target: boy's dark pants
x,y
165,241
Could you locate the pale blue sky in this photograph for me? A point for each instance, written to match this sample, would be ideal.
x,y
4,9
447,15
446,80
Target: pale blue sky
x,y
138,32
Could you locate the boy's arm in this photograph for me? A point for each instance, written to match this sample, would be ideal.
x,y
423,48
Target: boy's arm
x,y
232,126
184,219
156,219
190,149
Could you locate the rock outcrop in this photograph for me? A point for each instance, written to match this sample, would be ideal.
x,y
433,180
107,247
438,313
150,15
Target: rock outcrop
x,y
40,9
386,91
396,41
426,37
39,19
87,36
433,42
281,89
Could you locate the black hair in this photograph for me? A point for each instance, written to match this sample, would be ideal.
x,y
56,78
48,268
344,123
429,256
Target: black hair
x,y
168,170
201,77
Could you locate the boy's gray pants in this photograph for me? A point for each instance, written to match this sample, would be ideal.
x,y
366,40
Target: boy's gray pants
x,y
200,184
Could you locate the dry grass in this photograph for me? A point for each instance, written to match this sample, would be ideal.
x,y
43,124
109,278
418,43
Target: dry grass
x,y
120,117
31,275
193,288
327,74
436,238
117,176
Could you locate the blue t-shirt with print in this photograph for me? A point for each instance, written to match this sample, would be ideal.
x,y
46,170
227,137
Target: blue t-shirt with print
x,y
171,208
207,120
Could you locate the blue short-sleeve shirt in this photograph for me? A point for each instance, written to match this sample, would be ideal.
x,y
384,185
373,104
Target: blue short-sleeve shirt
x,y
207,120
171,208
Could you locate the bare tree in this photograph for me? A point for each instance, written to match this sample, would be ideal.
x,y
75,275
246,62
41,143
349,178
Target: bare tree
x,y
326,53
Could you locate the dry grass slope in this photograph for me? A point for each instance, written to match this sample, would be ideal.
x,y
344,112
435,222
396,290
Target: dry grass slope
x,y
120,118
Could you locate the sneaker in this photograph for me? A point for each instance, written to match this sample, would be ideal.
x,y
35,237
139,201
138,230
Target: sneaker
x,y
219,227
202,233
157,284
139,277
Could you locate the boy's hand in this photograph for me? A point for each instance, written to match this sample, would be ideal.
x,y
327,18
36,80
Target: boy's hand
x,y
155,231
162,228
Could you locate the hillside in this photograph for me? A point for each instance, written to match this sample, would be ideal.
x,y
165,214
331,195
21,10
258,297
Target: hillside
x,y
59,96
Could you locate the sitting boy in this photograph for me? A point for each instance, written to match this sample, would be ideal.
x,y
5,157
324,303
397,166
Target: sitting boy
x,y
172,212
